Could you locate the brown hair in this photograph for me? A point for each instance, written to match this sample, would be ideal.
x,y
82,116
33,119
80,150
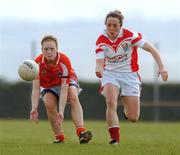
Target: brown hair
x,y
116,14
49,37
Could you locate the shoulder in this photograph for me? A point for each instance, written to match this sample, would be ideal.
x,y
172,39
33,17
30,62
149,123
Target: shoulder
x,y
130,33
63,57
65,60
127,32
38,59
101,39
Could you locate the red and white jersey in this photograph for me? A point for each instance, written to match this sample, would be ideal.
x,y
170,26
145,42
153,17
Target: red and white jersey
x,y
57,73
121,54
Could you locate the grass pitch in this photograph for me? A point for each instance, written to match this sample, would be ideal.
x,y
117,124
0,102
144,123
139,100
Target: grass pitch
x,y
22,137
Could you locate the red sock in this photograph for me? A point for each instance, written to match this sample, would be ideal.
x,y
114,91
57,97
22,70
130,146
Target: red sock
x,y
60,136
115,133
79,130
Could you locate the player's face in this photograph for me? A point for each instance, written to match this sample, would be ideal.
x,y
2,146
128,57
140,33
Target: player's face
x,y
49,50
113,27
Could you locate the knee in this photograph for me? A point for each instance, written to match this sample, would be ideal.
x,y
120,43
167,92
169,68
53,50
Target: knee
x,y
111,109
50,107
111,105
133,118
110,101
73,99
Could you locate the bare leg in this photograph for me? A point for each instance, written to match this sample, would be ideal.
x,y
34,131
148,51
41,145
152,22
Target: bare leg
x,y
111,93
77,116
131,107
76,109
50,102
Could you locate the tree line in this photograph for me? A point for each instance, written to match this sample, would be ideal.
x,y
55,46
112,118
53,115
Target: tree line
x,y
15,101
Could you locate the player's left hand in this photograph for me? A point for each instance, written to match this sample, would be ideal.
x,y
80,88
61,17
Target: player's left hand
x,y
164,73
59,119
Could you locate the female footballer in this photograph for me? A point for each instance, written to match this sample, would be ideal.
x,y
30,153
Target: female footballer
x,y
57,84
117,66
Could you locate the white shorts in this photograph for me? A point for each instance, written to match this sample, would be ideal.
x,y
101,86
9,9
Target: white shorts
x,y
129,84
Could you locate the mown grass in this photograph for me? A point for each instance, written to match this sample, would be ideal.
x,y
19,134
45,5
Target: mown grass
x,y
143,138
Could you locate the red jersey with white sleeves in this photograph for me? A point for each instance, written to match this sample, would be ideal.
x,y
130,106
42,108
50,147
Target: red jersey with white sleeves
x,y
121,54
53,75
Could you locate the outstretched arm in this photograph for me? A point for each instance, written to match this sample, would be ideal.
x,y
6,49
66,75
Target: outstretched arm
x,y
35,100
155,53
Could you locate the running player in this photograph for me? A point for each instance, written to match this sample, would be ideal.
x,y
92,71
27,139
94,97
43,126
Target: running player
x,y
116,64
57,84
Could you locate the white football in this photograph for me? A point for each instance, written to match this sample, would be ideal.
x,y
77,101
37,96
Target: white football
x,y
28,70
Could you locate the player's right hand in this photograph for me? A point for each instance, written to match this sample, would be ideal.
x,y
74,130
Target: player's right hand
x,y
99,67
34,116
99,74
